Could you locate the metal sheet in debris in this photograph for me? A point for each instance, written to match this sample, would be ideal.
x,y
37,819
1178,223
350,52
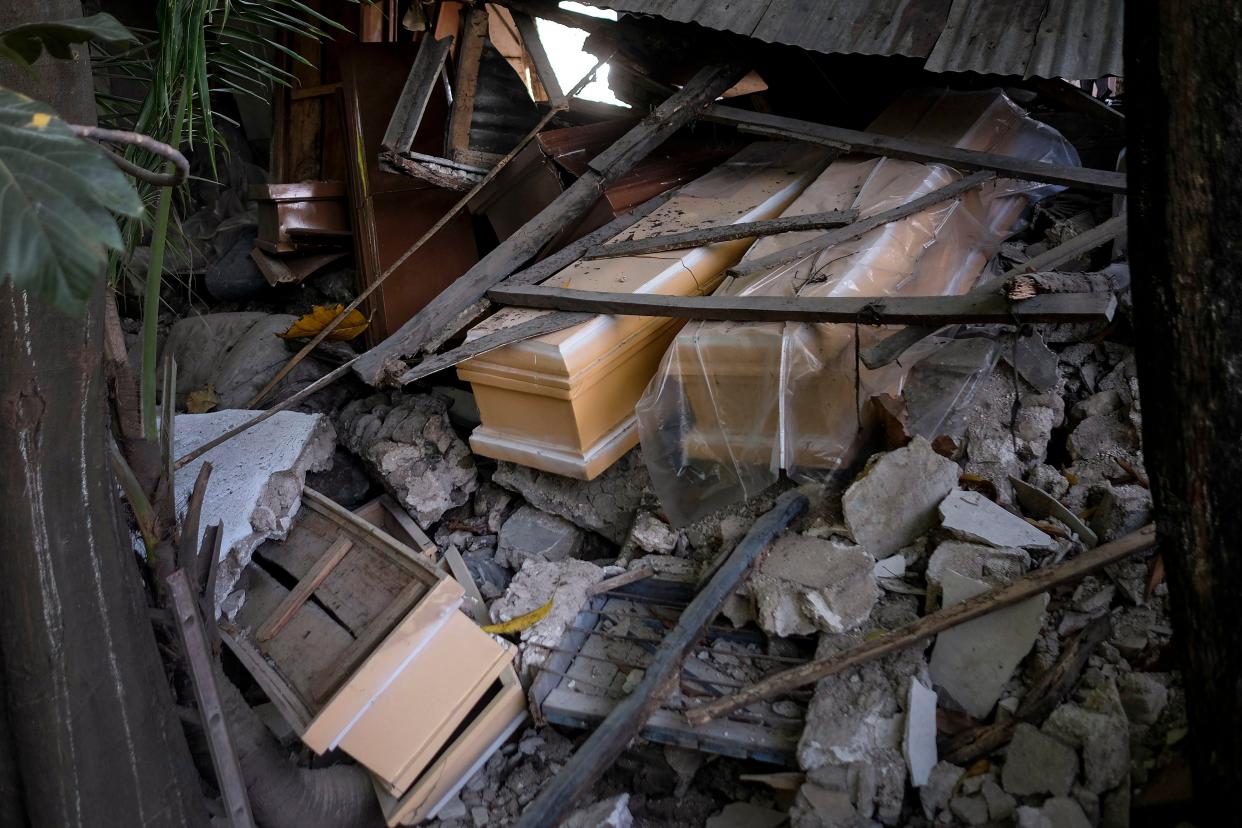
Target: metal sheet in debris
x,y
1032,38
1039,38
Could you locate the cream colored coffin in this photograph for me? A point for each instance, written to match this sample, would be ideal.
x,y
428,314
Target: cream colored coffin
x,y
783,396
564,402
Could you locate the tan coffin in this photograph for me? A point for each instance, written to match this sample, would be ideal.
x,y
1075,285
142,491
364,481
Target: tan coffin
x,y
564,402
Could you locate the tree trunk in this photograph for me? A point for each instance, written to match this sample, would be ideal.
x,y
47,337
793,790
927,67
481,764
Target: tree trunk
x,y
87,731
1184,83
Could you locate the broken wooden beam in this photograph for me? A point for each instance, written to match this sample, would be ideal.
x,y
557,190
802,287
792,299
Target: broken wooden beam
x,y
886,310
892,347
419,86
728,232
853,140
1026,285
544,324
1046,693
625,721
860,227
533,44
1034,583
679,110
201,665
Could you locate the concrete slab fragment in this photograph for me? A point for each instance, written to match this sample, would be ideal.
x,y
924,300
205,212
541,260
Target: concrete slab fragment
x,y
256,480
972,517
972,662
919,741
894,500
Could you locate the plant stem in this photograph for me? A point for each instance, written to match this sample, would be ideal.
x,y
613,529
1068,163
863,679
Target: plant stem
x,y
155,267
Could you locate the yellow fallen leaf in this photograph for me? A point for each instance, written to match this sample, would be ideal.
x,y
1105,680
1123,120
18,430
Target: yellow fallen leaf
x,y
319,318
202,400
520,623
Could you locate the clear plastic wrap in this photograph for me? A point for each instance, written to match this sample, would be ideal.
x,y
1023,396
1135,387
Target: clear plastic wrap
x,y
735,403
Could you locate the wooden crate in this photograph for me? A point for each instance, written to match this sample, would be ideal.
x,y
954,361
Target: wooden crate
x,y
360,643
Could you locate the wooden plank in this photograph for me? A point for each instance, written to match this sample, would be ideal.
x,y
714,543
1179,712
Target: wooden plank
x,y
873,143
418,89
887,310
629,716
396,551
545,324
466,85
1036,582
860,227
301,593
558,661
326,680
287,701
729,232
575,250
443,311
533,45
203,670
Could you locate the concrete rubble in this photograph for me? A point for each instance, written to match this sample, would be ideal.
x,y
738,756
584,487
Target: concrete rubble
x,y
406,440
530,533
256,482
807,584
972,517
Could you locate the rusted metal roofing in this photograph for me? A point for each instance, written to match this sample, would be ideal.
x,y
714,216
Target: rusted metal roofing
x,y
1072,39
1033,38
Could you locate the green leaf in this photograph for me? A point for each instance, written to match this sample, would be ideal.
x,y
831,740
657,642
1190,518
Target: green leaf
x,y
24,44
58,194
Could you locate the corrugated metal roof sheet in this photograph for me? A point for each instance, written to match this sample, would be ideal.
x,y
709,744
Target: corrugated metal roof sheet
x,y
1033,38
1073,39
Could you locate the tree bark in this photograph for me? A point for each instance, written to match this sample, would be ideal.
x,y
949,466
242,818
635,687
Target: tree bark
x,y
1184,101
88,735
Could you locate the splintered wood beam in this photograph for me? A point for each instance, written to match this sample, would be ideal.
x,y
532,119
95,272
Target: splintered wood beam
x,y
729,232
544,324
430,323
625,721
303,590
890,310
892,347
538,55
860,227
466,86
1035,582
872,143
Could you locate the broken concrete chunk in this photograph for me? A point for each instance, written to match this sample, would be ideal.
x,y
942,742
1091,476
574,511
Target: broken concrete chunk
x,y
1037,502
894,500
1120,510
609,813
996,567
972,517
1101,435
1057,812
893,566
565,583
973,661
746,815
1144,696
652,534
934,796
1001,805
256,481
972,810
806,584
854,729
530,533
919,741
408,443
1104,740
1037,763
605,505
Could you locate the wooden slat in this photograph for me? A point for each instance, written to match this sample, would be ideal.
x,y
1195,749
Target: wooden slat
x,y
430,323
628,717
465,89
540,325
326,680
890,310
873,143
860,227
728,232
533,45
305,587
419,86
